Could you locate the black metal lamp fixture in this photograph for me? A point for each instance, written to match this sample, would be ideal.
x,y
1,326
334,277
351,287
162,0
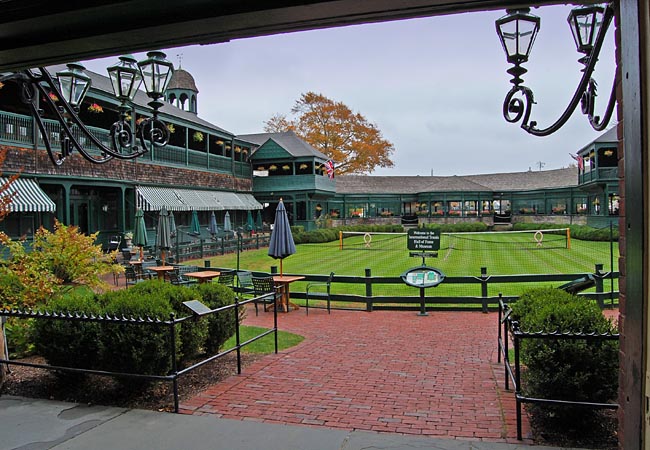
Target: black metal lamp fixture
x,y
65,97
517,31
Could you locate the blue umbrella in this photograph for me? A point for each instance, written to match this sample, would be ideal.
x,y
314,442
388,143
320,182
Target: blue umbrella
x,y
139,231
212,228
227,226
195,228
281,244
250,225
163,234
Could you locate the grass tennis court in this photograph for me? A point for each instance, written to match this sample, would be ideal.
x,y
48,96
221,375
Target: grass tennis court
x,y
387,255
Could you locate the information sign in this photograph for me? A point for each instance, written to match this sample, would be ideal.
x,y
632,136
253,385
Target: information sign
x,y
423,277
419,239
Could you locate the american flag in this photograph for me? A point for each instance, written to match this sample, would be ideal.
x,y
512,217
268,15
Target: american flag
x,y
329,166
580,160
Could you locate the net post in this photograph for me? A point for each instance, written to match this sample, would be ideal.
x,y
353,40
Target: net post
x,y
568,238
340,240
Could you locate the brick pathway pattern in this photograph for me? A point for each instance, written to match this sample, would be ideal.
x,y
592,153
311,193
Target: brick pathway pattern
x,y
383,371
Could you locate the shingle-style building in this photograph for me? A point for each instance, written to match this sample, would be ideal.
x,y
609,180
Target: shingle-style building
x,y
205,168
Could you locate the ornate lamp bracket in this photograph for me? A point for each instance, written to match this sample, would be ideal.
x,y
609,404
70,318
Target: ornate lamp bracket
x,y
38,85
589,25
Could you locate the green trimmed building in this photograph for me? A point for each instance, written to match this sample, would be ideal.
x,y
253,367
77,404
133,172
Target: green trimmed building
x,y
207,169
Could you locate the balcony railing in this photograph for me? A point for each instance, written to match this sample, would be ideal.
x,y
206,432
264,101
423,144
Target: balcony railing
x,y
600,174
18,130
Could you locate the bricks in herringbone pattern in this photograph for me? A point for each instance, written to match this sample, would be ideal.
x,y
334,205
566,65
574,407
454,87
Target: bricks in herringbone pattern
x,y
381,371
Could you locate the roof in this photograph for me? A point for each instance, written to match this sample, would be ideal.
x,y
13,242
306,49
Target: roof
x,y
369,184
288,140
609,136
182,79
103,83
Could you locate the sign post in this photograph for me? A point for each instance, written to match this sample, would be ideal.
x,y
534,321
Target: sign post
x,y
426,243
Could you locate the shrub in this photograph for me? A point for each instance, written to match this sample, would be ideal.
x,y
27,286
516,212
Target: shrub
x,y
192,333
220,325
69,343
133,348
566,369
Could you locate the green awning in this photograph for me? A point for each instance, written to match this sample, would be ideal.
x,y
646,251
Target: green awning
x,y
27,196
154,198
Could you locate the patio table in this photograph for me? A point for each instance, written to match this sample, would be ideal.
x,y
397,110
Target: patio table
x,y
283,281
203,276
160,270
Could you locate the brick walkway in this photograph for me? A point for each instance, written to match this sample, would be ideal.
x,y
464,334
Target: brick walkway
x,y
381,371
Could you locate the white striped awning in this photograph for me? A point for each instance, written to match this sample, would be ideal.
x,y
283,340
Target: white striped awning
x,y
154,198
27,196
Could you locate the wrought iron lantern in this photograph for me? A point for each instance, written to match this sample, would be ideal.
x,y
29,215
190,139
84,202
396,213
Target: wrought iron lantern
x,y
65,95
517,31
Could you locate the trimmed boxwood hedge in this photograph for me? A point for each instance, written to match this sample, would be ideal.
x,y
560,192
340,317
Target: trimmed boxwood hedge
x,y
566,369
68,343
132,348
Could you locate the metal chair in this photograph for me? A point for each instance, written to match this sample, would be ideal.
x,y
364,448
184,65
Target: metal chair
x,y
175,277
326,295
245,283
131,276
227,278
265,291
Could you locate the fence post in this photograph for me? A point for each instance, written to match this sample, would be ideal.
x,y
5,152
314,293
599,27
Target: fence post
x,y
484,288
237,337
172,346
517,382
368,290
499,330
598,270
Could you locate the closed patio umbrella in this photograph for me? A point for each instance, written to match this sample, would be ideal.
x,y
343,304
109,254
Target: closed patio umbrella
x,y
258,223
172,225
212,228
140,232
195,228
227,225
281,244
250,225
163,235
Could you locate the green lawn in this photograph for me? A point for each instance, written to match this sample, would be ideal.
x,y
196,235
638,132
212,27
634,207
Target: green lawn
x,y
502,254
264,345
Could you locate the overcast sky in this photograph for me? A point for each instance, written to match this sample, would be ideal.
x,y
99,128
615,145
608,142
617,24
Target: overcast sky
x,y
434,87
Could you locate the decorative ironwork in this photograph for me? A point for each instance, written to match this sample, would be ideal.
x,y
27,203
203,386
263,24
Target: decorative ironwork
x,y
64,98
517,31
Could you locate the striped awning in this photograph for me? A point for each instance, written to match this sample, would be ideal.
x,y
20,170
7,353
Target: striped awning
x,y
27,196
154,198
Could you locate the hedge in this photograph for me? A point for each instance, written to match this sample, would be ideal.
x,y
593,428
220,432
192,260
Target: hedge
x,y
566,369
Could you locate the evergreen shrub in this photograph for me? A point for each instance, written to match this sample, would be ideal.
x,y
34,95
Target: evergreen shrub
x,y
133,348
69,343
221,325
566,369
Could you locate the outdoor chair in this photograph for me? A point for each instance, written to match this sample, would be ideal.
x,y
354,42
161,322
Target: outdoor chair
x,y
131,276
175,277
146,273
320,291
245,283
265,292
227,278
114,243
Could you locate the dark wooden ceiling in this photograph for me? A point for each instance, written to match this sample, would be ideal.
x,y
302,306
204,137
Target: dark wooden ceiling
x,y
40,32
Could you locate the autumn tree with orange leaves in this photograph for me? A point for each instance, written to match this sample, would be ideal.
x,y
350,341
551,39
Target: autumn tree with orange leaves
x,y
354,144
